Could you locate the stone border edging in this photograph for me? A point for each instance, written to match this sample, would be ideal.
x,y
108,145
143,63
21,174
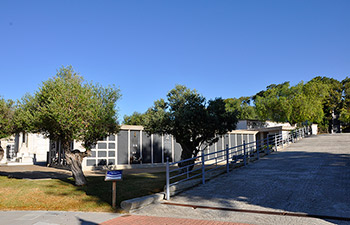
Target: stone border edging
x,y
140,202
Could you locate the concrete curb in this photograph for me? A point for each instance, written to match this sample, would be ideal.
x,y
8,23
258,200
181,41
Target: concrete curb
x,y
140,202
183,186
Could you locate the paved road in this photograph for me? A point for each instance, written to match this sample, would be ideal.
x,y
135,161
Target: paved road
x,y
309,177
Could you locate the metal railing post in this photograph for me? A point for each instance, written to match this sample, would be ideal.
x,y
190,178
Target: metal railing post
x,y
276,144
167,179
257,151
268,145
282,140
245,154
203,168
227,160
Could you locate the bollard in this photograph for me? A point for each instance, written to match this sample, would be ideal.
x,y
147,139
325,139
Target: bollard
x,y
167,179
245,154
227,160
275,144
203,168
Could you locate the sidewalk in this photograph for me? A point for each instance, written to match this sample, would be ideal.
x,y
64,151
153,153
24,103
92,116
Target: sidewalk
x,y
93,218
54,218
152,220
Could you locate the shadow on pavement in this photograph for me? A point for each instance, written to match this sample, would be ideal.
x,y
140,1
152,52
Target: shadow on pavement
x,y
315,183
85,222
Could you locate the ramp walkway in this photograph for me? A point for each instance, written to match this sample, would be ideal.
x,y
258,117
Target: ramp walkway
x,y
306,183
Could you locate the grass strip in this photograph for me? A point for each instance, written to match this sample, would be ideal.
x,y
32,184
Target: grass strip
x,y
62,195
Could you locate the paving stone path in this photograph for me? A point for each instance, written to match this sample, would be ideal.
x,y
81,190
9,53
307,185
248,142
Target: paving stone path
x,y
309,177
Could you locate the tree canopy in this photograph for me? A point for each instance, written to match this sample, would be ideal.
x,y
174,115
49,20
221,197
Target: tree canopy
x,y
66,108
135,119
294,104
193,121
345,109
242,107
321,100
6,116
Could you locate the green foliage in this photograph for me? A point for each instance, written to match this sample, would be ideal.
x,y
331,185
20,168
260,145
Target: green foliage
x,y
192,120
68,109
135,119
6,116
332,102
345,110
242,107
296,104
273,104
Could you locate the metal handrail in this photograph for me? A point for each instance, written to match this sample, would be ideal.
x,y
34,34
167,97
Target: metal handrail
x,y
239,154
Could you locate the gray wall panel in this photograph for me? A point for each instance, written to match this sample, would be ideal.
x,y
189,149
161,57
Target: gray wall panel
x,y
122,147
239,141
157,148
146,148
135,154
220,147
178,151
226,141
212,149
167,148
245,138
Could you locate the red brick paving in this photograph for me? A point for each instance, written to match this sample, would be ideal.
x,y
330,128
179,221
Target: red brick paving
x,y
152,220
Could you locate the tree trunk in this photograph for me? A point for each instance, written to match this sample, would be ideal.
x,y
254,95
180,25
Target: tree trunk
x,y
2,153
187,153
74,159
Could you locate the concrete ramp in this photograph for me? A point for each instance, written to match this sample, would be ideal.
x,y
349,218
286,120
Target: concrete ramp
x,y
306,183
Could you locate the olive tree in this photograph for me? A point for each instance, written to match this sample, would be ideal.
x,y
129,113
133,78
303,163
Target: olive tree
x,y
6,125
66,108
6,115
194,122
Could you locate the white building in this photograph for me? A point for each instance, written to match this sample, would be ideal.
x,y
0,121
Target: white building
x,y
131,147
25,149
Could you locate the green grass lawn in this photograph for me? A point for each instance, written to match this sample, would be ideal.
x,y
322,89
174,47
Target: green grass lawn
x,y
54,194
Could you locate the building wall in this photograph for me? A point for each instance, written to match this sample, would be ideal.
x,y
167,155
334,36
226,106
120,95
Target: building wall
x,y
133,147
5,142
242,125
32,145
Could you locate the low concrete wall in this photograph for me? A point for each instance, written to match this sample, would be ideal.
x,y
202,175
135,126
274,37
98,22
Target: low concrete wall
x,y
140,202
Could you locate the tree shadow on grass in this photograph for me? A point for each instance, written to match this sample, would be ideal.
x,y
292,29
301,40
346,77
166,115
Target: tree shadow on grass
x,y
132,185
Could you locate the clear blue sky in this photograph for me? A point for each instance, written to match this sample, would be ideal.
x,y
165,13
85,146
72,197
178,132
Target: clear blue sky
x,y
221,48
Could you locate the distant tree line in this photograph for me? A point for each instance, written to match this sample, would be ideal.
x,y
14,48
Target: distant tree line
x,y
322,100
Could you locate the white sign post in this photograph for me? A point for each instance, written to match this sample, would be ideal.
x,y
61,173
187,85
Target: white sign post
x,y
114,175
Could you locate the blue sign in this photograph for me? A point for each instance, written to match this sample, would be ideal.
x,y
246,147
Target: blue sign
x,y
114,175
